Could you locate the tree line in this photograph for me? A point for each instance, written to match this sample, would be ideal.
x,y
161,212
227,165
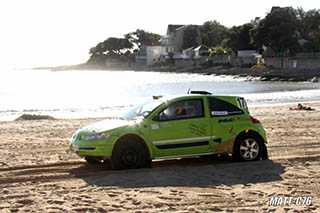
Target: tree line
x,y
282,30
123,48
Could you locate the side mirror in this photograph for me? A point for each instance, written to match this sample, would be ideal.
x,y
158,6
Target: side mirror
x,y
156,118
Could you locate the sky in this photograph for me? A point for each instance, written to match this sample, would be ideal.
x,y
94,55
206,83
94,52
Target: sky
x,y
61,32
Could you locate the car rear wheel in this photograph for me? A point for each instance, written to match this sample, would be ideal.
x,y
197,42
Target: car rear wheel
x,y
248,148
128,155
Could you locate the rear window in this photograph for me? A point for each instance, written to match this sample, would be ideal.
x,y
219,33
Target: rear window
x,y
219,107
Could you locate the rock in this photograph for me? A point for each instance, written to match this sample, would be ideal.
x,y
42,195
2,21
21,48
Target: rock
x,y
293,80
264,79
34,117
283,79
274,79
314,80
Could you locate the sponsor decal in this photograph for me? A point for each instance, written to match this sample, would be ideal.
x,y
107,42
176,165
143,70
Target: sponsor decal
x,y
226,120
199,129
241,103
155,126
243,119
225,113
289,200
219,113
167,124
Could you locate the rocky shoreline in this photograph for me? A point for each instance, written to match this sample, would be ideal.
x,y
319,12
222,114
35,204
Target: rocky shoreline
x,y
262,74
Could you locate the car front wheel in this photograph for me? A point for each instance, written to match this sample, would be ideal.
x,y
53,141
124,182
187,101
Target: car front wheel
x,y
128,155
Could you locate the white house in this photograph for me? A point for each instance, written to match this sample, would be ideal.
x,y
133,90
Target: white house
x,y
150,53
174,39
246,53
154,53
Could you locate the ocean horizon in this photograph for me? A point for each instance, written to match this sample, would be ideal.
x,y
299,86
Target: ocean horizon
x,y
85,94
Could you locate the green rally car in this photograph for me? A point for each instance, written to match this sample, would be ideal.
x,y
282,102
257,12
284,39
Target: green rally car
x,y
172,127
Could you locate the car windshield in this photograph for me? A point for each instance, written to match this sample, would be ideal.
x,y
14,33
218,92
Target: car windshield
x,y
142,110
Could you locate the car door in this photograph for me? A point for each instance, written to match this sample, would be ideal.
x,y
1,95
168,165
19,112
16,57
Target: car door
x,y
181,129
223,119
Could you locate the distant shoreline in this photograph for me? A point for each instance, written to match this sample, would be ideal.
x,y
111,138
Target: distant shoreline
x,y
262,74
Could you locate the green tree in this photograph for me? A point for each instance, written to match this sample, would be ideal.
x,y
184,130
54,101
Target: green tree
x,y
114,47
239,38
111,45
97,50
213,33
279,30
220,51
138,37
310,28
120,47
190,37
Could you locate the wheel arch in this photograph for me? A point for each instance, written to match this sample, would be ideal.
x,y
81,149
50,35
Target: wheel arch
x,y
250,132
132,136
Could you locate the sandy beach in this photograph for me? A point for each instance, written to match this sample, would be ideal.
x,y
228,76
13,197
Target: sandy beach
x,y
39,174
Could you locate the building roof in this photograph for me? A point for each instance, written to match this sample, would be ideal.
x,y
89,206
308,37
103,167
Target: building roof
x,y
152,43
302,42
200,48
172,27
274,8
189,49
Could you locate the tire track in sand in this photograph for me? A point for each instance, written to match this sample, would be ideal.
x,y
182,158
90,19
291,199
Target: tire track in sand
x,y
47,172
79,169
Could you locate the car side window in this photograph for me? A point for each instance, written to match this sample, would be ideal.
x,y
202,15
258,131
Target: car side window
x,y
192,108
219,107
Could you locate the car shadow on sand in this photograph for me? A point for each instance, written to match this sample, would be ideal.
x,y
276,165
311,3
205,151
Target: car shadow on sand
x,y
189,172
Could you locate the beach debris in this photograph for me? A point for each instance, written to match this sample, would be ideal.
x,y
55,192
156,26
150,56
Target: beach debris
x,y
34,117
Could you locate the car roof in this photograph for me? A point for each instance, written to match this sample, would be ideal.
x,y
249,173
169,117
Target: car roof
x,y
186,96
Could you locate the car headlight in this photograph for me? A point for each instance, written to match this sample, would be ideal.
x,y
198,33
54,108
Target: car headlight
x,y
97,136
74,136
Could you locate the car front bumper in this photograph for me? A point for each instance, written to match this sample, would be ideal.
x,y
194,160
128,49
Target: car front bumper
x,y
90,150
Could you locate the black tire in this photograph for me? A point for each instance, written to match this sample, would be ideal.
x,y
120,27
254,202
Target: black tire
x,y
129,155
248,147
148,162
107,164
265,155
92,160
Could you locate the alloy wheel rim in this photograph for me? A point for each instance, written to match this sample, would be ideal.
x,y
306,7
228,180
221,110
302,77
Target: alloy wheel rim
x,y
249,149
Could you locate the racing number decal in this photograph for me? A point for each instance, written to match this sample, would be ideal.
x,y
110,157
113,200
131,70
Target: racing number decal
x,y
241,103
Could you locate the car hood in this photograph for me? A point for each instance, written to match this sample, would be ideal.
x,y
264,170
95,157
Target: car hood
x,y
108,124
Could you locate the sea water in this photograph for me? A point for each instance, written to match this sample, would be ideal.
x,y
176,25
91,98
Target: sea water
x,y
82,94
